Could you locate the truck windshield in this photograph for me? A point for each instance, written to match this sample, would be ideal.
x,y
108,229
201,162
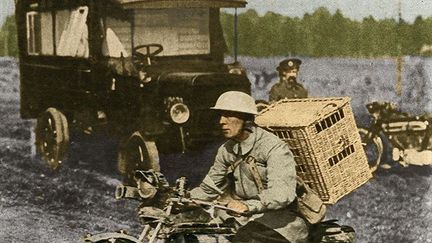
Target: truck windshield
x,y
179,31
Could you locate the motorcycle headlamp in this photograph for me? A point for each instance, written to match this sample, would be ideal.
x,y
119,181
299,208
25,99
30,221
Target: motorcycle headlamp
x,y
179,113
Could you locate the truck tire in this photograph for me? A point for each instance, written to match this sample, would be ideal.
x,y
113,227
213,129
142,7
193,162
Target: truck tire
x,y
137,153
52,137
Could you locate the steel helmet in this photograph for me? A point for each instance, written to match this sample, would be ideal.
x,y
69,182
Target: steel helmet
x,y
236,101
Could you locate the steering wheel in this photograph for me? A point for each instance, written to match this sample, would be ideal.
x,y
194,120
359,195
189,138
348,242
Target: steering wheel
x,y
144,58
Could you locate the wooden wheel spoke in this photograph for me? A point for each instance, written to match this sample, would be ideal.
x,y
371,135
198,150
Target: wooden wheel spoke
x,y
141,154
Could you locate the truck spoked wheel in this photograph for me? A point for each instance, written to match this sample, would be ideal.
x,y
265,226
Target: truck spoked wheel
x,y
137,153
373,148
52,137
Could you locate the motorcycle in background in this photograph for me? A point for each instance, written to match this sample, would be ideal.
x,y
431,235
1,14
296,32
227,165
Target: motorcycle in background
x,y
409,136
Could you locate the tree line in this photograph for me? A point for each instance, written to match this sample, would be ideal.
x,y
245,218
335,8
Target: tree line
x,y
8,38
324,34
318,34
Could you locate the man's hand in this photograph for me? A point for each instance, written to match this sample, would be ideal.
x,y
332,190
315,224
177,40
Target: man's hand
x,y
238,206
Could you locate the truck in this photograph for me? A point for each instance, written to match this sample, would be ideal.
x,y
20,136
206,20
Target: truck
x,y
145,71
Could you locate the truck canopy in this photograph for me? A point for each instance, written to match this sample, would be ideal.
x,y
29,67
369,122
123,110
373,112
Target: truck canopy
x,y
129,4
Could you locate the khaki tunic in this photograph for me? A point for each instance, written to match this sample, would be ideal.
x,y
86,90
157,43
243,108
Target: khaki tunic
x,y
290,90
277,168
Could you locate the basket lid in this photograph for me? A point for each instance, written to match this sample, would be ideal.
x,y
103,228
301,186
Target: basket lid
x,y
299,112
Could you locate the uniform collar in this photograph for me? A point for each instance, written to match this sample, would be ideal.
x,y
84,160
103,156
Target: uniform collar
x,y
244,147
288,82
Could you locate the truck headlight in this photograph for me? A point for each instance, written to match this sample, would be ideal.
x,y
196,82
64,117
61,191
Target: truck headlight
x,y
179,113
236,68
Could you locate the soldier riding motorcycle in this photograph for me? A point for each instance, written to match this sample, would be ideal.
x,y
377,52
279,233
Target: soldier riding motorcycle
x,y
255,171
410,136
168,214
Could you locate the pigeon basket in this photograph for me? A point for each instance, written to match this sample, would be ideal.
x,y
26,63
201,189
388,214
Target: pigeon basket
x,y
324,139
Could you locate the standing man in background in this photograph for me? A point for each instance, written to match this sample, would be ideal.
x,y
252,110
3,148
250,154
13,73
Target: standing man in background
x,y
288,87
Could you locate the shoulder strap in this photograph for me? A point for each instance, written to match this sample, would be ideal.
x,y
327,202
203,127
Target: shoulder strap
x,y
238,161
253,169
251,163
235,164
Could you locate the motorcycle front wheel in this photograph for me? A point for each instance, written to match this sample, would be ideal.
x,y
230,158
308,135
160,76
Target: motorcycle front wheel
x,y
117,237
373,148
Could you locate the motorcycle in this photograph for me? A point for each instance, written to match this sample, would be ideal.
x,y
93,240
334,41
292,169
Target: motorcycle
x,y
409,136
169,215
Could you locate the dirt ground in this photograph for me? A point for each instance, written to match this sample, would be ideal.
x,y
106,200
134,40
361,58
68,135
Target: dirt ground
x,y
39,205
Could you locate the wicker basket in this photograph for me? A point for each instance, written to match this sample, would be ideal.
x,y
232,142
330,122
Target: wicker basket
x,y
323,136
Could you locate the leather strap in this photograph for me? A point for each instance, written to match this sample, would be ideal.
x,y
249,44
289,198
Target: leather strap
x,y
251,162
235,164
253,169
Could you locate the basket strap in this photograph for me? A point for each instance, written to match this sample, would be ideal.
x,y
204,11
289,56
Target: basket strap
x,y
325,109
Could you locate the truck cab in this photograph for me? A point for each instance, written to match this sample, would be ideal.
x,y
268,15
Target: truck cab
x,y
145,71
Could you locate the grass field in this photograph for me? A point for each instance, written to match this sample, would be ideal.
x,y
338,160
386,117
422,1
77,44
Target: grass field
x,y
364,80
37,204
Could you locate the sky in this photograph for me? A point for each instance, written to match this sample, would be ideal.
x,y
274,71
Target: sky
x,y
6,8
354,9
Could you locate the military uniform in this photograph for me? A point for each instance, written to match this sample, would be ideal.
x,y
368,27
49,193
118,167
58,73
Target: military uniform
x,y
287,90
272,206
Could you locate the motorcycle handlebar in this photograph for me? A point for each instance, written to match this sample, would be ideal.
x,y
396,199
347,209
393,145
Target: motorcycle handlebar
x,y
201,203
381,107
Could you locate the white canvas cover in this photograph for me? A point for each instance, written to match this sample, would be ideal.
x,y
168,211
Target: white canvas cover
x,y
112,45
74,38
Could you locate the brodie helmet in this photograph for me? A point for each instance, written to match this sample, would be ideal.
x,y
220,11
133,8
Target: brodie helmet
x,y
236,101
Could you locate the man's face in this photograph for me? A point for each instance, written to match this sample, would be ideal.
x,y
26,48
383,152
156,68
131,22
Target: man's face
x,y
231,124
286,74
